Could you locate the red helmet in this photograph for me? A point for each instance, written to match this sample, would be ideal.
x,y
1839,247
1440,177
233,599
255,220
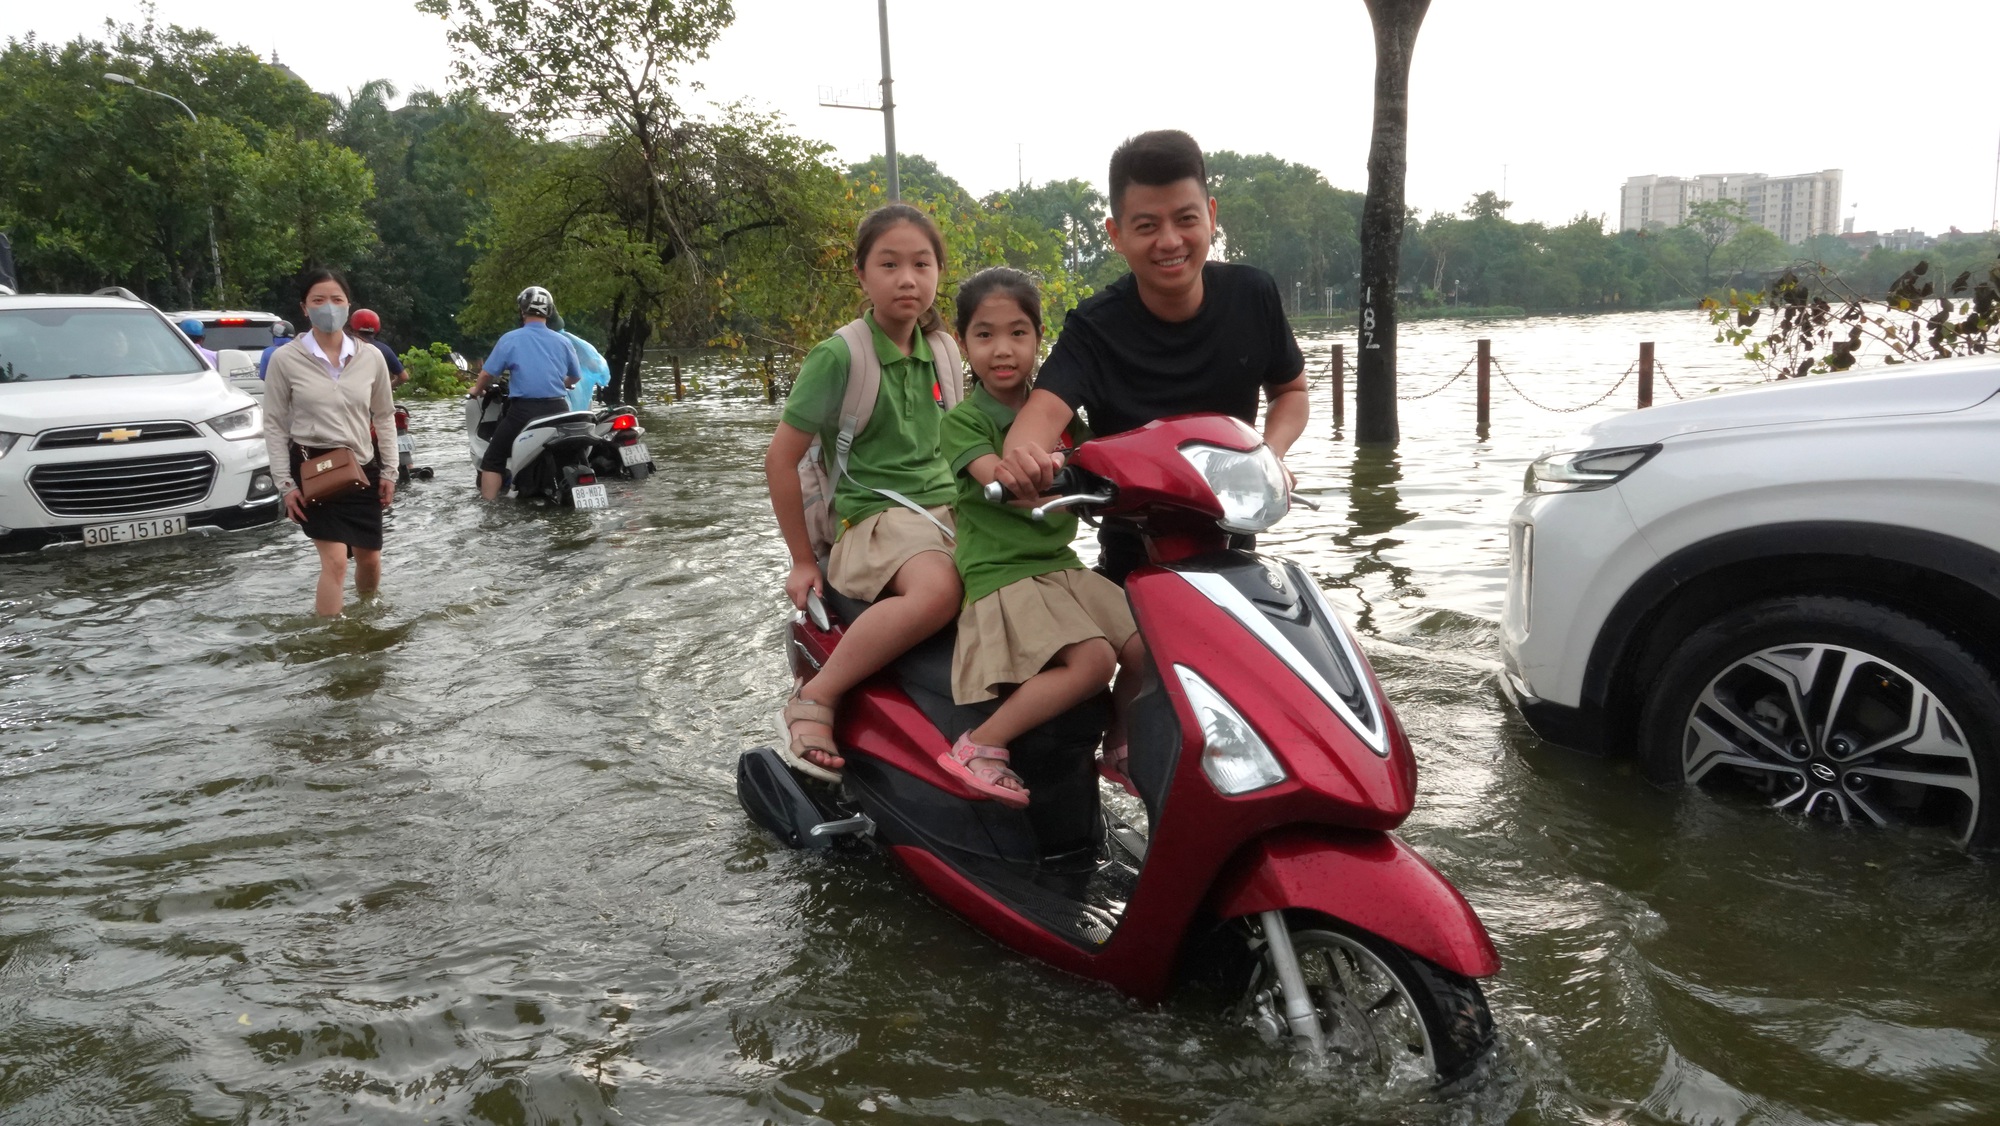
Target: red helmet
x,y
365,320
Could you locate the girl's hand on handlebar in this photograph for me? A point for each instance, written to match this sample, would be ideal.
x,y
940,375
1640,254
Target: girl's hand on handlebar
x,y
804,579
1027,470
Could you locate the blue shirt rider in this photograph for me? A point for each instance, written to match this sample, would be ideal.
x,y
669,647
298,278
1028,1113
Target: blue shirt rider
x,y
539,366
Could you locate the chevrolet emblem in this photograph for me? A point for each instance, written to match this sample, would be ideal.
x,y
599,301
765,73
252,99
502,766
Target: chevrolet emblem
x,y
119,435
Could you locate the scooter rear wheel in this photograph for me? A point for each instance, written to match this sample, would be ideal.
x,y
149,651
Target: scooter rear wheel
x,y
1383,1010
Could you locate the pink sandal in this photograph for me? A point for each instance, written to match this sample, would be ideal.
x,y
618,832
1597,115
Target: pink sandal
x,y
1111,767
985,778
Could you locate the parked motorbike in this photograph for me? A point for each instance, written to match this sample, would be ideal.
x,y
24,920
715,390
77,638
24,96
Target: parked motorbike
x,y
406,451
1271,767
551,457
620,448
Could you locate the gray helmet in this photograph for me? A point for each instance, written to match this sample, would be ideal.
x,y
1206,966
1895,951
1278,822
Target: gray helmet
x,y
535,301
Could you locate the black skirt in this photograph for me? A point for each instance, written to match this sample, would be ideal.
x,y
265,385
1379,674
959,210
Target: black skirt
x,y
355,519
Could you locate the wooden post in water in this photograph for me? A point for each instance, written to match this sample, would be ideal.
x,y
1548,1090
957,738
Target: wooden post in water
x,y
1485,399
770,383
1339,386
678,391
1646,374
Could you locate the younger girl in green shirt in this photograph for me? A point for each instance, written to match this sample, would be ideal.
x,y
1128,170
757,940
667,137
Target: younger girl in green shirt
x,y
1038,628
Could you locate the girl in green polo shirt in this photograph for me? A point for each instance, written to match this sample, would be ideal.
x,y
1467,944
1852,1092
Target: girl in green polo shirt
x,y
1038,628
897,557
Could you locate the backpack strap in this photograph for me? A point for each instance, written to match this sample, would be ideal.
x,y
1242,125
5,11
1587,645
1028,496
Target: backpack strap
x,y
950,367
857,406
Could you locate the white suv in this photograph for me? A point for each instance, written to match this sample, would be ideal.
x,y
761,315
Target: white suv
x,y
113,429
1790,592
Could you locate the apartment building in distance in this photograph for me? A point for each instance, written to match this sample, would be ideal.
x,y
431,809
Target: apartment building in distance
x,y
1795,208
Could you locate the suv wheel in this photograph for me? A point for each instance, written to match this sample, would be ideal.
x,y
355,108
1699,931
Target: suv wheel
x,y
1833,707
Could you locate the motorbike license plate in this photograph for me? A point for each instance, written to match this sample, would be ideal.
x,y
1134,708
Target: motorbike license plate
x,y
406,444
131,531
635,454
589,496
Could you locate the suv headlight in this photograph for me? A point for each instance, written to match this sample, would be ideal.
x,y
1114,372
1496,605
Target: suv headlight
x,y
1251,486
1584,470
237,425
1232,755
7,441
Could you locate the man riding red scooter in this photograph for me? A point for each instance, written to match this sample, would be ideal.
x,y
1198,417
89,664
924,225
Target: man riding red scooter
x,y
1271,767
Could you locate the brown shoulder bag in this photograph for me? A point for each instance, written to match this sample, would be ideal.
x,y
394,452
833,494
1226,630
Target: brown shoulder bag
x,y
330,475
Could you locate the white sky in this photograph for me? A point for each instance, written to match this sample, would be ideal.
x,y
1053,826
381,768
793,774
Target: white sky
x,y
1562,98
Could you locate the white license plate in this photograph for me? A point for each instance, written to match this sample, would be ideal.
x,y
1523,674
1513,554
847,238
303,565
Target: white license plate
x,y
635,454
159,528
406,444
589,496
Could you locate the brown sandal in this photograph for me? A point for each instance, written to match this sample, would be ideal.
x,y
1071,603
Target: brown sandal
x,y
800,749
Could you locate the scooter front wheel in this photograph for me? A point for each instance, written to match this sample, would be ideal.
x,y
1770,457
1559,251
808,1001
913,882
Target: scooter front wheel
x,y
1380,1009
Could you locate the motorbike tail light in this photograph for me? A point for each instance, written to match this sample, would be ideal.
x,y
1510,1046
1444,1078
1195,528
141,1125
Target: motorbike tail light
x,y
586,479
624,422
1232,754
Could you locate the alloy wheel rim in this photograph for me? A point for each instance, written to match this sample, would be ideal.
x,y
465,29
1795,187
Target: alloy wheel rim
x,y
1366,1011
1836,732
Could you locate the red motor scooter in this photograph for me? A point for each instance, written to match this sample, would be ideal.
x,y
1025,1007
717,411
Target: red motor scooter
x,y
1271,767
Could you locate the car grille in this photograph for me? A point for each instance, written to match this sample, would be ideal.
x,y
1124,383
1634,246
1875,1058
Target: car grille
x,y
129,433
125,487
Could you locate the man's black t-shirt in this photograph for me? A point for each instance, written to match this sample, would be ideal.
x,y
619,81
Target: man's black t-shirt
x,y
1124,367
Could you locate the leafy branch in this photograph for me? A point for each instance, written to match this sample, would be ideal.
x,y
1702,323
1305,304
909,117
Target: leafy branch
x,y
1819,324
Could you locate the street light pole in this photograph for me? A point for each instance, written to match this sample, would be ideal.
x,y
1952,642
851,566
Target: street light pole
x,y
888,106
215,255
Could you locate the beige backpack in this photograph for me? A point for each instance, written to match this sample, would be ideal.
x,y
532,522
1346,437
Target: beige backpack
x,y
817,477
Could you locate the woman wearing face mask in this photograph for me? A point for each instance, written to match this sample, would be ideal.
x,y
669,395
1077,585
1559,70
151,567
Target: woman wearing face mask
x,y
324,391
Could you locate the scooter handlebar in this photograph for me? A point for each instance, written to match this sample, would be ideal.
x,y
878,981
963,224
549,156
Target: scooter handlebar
x,y
1066,480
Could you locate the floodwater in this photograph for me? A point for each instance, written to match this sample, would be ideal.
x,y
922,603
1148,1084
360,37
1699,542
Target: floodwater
x,y
473,854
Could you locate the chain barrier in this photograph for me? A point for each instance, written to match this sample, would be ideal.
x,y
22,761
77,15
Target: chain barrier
x,y
1439,387
1564,410
1662,370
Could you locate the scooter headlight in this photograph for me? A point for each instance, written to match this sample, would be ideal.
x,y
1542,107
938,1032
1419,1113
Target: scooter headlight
x,y
1251,486
238,425
1234,758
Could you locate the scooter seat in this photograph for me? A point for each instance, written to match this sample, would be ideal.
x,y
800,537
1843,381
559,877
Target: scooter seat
x,y
1055,759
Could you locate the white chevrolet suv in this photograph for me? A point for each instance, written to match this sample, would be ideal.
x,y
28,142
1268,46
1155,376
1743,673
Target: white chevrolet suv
x,y
113,429
1789,593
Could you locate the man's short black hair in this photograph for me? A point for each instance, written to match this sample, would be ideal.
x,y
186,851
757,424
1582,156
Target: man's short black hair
x,y
1155,159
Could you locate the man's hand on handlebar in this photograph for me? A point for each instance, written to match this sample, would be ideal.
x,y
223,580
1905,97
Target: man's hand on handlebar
x,y
1027,470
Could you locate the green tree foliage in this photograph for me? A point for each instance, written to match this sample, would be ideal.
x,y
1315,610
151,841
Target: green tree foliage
x,y
102,184
432,374
434,161
1287,220
1714,222
1074,210
920,176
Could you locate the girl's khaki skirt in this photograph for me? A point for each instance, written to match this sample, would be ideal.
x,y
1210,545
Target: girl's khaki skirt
x,y
1013,633
869,554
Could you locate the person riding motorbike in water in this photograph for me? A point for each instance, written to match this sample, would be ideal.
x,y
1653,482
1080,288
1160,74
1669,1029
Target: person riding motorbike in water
x,y
539,365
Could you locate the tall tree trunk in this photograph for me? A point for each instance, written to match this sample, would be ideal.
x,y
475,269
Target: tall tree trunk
x,y
616,350
642,328
1382,214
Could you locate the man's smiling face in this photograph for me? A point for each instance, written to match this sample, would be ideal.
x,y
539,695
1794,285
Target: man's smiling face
x,y
1164,232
